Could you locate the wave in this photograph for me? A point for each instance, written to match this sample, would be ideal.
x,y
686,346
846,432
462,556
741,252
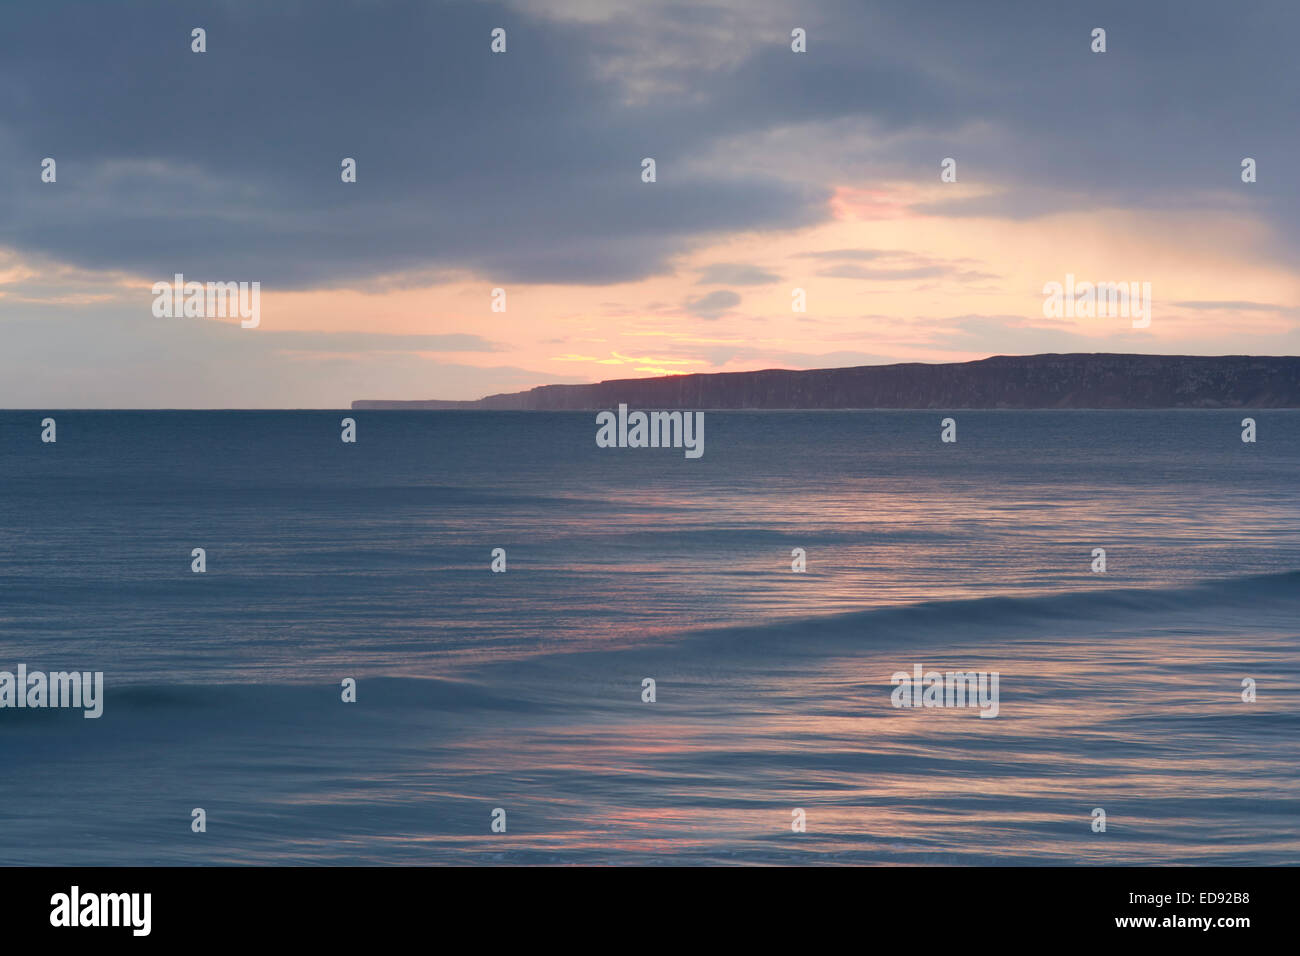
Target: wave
x,y
1266,601
1039,613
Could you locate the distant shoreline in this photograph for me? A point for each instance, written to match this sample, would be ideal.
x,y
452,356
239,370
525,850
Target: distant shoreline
x,y
381,406
1079,381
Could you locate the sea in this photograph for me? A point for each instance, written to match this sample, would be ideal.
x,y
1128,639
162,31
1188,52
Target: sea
x,y
650,680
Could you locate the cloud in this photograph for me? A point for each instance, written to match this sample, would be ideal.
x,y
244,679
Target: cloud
x,y
863,272
897,265
853,254
1231,305
525,167
296,341
226,164
712,306
736,274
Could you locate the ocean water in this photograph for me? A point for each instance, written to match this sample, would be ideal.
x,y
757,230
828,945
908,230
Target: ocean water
x,y
522,690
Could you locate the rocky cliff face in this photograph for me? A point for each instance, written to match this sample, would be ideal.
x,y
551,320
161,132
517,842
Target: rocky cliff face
x,y
1028,381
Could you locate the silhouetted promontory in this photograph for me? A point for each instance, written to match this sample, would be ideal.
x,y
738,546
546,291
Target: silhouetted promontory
x,y
1079,380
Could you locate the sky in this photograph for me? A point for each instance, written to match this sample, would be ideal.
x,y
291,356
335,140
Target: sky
x,y
522,171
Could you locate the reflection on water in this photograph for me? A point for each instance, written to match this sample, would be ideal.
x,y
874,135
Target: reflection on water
x,y
522,690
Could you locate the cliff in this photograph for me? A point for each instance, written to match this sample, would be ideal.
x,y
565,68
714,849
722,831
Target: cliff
x,y
1025,381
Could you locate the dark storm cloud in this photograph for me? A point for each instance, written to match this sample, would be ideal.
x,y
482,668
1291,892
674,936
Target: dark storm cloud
x,y
523,166
526,166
